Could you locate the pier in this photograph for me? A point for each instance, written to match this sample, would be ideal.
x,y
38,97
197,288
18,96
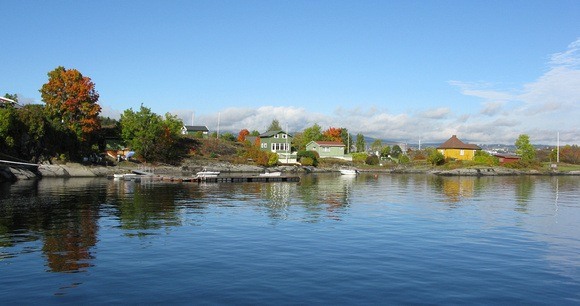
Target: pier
x,y
217,179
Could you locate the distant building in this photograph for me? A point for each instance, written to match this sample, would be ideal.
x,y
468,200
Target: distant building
x,y
195,129
328,149
454,148
5,102
506,158
276,141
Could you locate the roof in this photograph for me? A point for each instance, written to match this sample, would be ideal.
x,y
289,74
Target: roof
x,y
272,133
455,143
507,155
330,143
7,101
196,128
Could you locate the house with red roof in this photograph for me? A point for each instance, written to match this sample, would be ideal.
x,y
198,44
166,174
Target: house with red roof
x,y
328,149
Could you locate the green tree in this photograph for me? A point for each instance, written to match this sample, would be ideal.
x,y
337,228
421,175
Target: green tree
x,y
361,145
385,151
524,148
151,136
7,122
274,126
347,139
33,133
13,97
396,151
377,145
313,133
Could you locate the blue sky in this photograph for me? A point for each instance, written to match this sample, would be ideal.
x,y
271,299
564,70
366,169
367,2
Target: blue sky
x,y
401,70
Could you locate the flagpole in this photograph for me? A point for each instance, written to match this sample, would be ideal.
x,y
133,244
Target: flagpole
x,y
558,149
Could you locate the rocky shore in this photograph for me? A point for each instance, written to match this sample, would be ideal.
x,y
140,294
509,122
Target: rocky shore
x,y
9,174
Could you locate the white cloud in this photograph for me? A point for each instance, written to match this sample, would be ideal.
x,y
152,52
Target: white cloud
x,y
540,108
491,108
437,113
568,58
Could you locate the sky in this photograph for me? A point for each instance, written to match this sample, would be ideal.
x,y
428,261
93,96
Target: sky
x,y
408,71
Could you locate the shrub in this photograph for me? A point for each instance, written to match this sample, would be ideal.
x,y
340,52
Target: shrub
x,y
306,161
359,157
372,160
404,159
308,154
436,158
272,159
484,158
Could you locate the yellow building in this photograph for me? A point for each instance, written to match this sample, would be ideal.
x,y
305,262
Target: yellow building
x,y
456,149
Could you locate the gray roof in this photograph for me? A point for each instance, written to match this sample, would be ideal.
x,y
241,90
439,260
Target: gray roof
x,y
272,133
196,128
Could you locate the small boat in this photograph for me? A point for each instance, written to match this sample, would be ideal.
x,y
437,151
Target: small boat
x,y
348,171
270,174
205,174
124,176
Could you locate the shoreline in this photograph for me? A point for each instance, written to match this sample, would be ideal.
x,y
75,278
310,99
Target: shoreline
x,y
9,174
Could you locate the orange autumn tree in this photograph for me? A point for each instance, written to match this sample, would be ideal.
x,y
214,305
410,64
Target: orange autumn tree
x,y
71,99
242,135
332,134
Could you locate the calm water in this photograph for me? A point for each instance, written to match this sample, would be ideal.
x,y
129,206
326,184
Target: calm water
x,y
327,240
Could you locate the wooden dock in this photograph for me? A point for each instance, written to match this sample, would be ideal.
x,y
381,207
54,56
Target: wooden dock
x,y
218,179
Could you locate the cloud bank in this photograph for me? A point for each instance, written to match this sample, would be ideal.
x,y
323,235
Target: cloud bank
x,y
541,109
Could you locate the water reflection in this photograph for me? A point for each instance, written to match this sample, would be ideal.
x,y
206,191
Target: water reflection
x,y
63,215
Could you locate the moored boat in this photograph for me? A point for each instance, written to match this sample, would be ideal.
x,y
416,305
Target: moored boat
x,y
206,174
348,171
270,174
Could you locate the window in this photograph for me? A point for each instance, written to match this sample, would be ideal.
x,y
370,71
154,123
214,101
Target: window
x,y
280,147
264,146
325,149
461,152
284,136
276,136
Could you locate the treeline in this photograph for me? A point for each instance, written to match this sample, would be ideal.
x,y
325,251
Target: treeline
x,y
68,125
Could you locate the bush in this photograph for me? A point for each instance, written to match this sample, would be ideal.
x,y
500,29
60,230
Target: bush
x,y
306,161
359,157
484,158
436,158
313,155
404,159
372,160
272,159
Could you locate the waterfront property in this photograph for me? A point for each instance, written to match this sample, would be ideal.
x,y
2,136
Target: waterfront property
x,y
454,148
276,141
195,130
328,149
506,158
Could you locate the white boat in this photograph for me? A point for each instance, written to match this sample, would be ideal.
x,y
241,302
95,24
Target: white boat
x,y
270,174
348,171
124,176
205,174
